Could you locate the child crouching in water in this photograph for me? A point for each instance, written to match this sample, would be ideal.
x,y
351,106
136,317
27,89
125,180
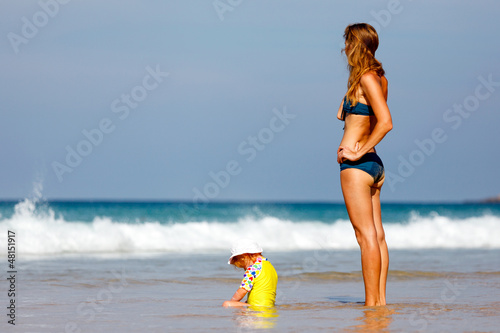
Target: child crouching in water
x,y
260,279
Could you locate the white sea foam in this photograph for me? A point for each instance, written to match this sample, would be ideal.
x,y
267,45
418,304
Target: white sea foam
x,y
45,234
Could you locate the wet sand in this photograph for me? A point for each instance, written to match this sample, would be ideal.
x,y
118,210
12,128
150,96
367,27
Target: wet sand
x,y
431,291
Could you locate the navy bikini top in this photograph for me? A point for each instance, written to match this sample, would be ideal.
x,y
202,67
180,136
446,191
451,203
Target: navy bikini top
x,y
359,108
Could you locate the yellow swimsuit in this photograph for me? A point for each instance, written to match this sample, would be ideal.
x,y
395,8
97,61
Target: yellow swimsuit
x,y
260,280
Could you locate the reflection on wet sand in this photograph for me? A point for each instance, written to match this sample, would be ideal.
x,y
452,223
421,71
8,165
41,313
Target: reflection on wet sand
x,y
376,319
256,317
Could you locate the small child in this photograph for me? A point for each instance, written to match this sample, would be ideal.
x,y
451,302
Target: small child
x,y
260,277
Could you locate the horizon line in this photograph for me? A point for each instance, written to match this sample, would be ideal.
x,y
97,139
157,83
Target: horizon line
x,y
245,201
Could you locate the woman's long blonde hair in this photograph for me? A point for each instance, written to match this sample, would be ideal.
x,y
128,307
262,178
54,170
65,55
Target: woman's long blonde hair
x,y
361,43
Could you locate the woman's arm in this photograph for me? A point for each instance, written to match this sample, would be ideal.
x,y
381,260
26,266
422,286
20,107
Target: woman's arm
x,y
371,85
339,113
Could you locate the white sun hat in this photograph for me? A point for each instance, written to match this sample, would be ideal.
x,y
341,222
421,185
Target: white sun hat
x,y
244,245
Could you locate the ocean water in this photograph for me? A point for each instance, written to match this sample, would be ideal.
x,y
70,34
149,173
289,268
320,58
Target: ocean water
x,y
55,228
162,267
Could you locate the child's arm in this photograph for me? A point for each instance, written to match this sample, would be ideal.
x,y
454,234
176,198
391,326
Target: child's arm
x,y
239,294
237,297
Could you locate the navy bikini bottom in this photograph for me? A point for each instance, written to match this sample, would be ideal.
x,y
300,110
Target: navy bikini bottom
x,y
370,163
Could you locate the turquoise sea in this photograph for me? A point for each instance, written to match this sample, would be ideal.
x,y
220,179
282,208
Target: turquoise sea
x,y
98,266
58,228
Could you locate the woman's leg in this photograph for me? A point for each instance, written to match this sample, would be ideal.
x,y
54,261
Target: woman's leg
x,y
357,191
384,252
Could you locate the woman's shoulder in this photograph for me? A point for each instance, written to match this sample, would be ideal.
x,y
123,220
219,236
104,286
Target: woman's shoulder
x,y
372,76
371,80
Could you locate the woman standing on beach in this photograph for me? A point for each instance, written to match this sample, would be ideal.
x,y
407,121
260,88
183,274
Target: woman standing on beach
x,y
367,120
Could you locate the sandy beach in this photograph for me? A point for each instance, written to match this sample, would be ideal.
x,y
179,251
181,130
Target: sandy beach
x,y
320,291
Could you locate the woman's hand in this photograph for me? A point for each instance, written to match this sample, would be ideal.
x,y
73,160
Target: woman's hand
x,y
346,153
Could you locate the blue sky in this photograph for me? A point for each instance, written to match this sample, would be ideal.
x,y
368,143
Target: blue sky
x,y
237,100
